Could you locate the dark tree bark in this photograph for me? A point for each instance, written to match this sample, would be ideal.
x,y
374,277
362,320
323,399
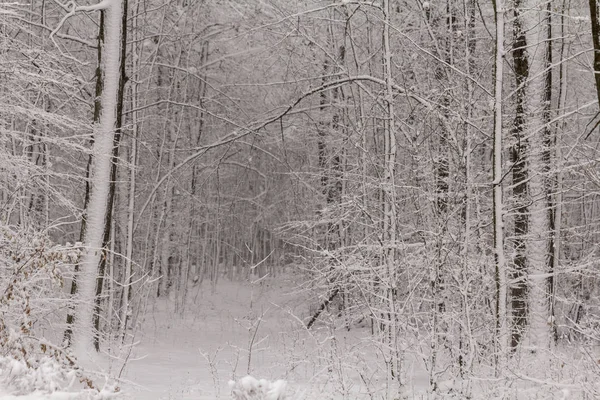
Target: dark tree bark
x,y
549,145
322,307
97,110
442,173
113,178
518,276
595,19
331,183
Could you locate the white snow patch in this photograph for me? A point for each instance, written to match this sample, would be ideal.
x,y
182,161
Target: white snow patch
x,y
249,388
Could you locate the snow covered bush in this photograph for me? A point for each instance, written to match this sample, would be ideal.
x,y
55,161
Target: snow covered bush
x,y
249,388
31,280
35,373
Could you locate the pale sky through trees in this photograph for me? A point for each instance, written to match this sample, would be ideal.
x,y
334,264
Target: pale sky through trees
x,y
275,199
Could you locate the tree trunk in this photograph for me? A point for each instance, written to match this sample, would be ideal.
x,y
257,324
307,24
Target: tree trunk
x,y
330,164
466,357
537,246
442,172
389,200
113,176
88,170
104,133
518,158
559,128
548,158
595,20
498,211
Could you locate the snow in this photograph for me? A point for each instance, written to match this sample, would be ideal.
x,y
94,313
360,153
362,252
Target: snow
x,y
42,396
247,341
250,388
203,353
198,354
194,355
103,134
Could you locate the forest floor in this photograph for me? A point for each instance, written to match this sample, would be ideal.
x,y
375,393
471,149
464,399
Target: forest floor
x,y
192,350
244,328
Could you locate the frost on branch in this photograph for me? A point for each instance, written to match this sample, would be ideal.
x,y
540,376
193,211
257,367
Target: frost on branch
x,y
249,388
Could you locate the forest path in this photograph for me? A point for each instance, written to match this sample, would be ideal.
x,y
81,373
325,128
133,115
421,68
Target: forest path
x,y
172,359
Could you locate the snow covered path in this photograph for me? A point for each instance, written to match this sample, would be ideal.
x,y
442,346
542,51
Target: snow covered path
x,y
193,356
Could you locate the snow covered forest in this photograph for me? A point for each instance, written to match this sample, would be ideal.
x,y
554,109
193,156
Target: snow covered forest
x,y
308,199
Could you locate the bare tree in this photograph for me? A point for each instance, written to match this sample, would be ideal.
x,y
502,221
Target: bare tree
x,y
498,207
534,24
104,133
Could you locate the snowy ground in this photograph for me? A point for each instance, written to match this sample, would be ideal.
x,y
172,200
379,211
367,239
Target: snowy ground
x,y
257,329
193,355
229,332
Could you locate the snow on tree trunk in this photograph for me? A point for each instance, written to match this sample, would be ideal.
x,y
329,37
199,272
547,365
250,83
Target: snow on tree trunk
x,y
501,289
104,133
129,250
389,191
518,159
535,27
